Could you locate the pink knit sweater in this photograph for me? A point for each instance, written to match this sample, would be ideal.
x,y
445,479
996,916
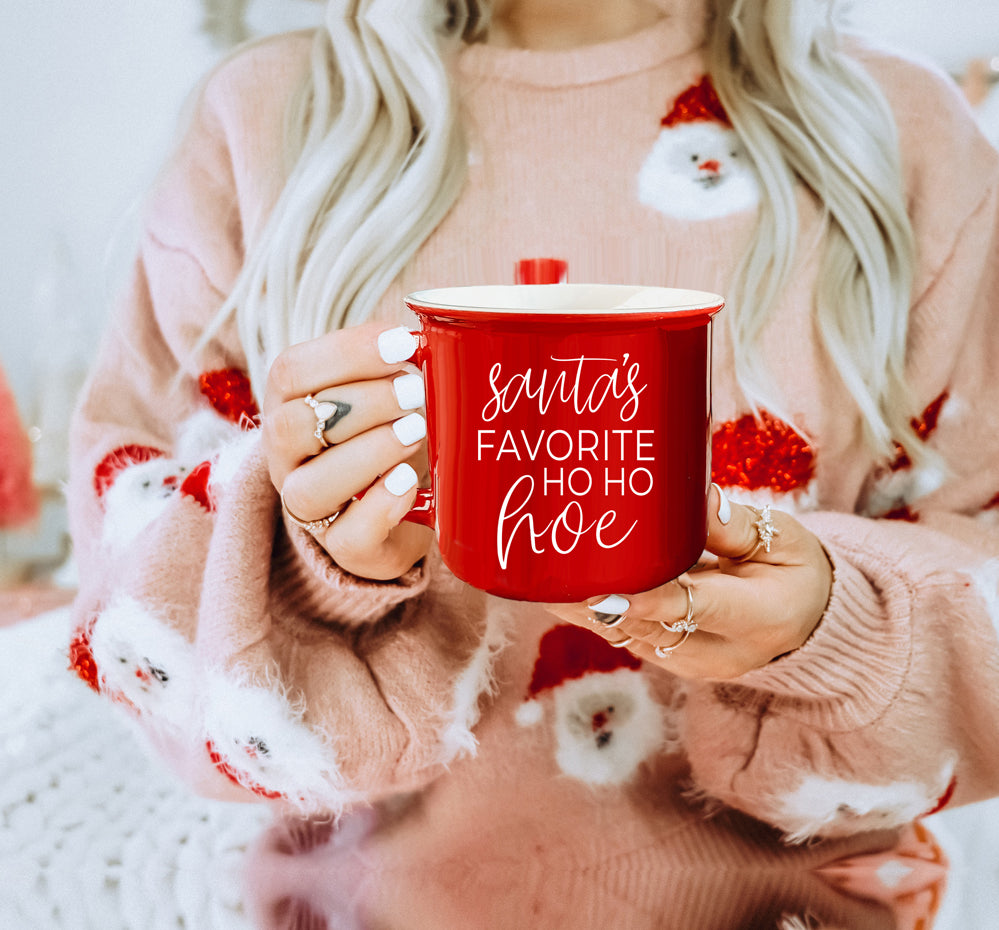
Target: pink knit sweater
x,y
260,669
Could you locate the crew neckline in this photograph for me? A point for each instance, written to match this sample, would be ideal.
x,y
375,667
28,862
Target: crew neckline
x,y
669,38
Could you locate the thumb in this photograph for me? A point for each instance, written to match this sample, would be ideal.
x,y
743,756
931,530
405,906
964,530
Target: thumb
x,y
738,532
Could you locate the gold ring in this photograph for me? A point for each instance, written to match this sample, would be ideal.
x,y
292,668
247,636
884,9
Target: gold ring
x,y
311,526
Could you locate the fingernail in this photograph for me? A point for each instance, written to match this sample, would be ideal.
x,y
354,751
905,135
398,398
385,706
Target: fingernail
x,y
614,604
724,507
410,429
396,345
409,391
401,479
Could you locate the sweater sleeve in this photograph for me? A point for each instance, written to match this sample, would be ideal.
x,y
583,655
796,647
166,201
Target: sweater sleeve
x,y
252,663
889,711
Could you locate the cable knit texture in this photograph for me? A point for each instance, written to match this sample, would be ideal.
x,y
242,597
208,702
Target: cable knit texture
x,y
264,671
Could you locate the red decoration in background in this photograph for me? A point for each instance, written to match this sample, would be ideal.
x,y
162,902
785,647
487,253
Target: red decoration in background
x,y
117,461
993,504
757,455
568,652
228,390
699,103
924,427
19,499
195,486
905,512
81,658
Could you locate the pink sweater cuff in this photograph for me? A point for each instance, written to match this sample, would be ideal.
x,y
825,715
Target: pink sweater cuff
x,y
306,578
852,666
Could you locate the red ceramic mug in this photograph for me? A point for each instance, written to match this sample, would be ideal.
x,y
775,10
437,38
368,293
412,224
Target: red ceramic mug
x,y
568,433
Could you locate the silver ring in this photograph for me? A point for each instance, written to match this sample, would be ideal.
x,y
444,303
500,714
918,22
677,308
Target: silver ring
x,y
766,532
687,624
327,413
311,526
664,652
627,641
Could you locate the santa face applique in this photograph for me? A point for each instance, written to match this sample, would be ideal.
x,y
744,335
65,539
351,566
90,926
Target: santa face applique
x,y
605,720
698,168
137,497
143,662
259,740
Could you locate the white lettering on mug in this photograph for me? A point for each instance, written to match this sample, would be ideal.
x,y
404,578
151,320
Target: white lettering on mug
x,y
560,445
545,388
564,532
584,385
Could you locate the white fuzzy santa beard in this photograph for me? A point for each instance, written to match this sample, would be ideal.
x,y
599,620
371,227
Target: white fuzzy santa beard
x,y
141,658
903,488
140,493
671,181
606,724
261,736
477,679
834,807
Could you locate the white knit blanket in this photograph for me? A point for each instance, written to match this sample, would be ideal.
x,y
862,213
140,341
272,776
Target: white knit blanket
x,y
93,833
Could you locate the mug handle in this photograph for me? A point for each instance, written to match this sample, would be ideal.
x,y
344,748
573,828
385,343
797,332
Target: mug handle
x,y
424,510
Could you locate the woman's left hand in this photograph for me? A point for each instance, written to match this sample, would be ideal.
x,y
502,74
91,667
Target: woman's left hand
x,y
742,609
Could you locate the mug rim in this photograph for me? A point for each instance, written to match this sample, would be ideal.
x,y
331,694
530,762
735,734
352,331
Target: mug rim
x,y
547,300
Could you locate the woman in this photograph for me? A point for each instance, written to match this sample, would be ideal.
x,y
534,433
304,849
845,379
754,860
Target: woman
x,y
838,670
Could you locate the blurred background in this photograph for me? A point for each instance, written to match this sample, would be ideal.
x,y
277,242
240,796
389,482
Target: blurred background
x,y
91,95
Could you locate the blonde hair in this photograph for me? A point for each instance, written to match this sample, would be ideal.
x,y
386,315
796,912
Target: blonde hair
x,y
377,159
805,110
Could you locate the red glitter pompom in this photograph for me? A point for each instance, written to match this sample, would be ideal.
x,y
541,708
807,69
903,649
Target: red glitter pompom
x,y
195,486
757,455
228,391
81,658
117,461
905,512
699,103
924,427
219,761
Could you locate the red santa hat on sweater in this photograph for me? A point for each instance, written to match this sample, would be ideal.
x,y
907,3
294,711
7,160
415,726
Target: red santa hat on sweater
x,y
698,103
568,652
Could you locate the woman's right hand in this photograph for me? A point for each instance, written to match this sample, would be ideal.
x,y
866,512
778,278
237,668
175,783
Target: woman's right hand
x,y
376,446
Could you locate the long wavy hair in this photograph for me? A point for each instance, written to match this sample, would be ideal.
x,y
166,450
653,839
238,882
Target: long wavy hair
x,y
376,159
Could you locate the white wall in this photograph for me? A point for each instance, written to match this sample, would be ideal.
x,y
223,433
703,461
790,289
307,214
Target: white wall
x,y
89,94
949,31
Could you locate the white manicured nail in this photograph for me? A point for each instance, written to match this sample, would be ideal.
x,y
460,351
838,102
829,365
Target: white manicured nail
x,y
410,429
614,604
724,507
409,391
396,345
401,479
